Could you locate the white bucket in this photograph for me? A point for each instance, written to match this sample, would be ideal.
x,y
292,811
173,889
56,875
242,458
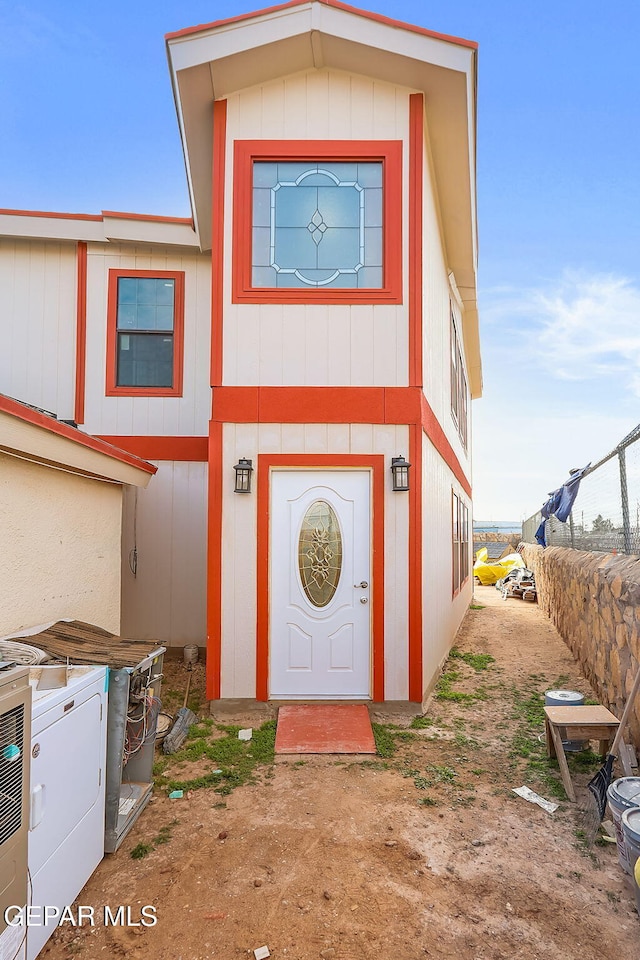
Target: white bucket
x,y
190,653
623,794
567,698
631,830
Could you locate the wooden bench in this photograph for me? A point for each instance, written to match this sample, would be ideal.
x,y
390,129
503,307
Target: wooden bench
x,y
577,723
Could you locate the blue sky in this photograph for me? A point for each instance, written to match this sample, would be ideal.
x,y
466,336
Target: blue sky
x,y
88,123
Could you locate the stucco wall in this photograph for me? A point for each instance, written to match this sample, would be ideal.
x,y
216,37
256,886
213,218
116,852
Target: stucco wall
x,y
594,601
59,547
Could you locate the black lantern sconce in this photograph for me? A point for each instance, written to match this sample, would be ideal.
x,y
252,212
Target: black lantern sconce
x,y
243,469
400,473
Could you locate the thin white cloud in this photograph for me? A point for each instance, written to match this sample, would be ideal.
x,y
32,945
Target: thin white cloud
x,y
579,327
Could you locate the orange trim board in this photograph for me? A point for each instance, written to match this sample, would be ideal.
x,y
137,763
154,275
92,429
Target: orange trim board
x,y
416,161
389,152
266,462
214,564
401,405
190,449
217,237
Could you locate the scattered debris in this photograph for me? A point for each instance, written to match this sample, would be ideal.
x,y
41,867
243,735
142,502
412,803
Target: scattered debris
x,y
176,795
261,953
257,882
327,895
532,797
245,734
214,916
223,835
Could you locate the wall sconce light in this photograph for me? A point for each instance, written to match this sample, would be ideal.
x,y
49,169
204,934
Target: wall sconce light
x,y
400,473
243,469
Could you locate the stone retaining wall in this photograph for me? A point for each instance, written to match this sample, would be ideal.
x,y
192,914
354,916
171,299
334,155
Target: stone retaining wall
x,y
593,599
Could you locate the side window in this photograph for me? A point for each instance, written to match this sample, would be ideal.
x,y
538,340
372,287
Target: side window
x,y
459,388
460,542
145,322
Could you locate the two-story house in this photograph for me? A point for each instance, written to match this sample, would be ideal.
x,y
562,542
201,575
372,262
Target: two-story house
x,y
298,358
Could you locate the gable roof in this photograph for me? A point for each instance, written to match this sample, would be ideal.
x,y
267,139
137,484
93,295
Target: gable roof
x,y
212,61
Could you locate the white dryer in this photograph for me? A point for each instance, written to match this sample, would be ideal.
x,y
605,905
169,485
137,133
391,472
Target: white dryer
x,y
68,747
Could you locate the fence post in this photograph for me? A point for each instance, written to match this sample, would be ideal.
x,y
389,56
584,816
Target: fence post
x,y
571,529
624,494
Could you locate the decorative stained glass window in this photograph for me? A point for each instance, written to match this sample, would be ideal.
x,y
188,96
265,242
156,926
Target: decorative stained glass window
x,y
320,553
317,225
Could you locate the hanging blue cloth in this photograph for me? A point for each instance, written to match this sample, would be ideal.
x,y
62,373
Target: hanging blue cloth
x,y
561,501
540,537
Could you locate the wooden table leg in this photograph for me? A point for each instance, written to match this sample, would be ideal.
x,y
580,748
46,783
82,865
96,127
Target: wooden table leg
x,y
562,760
551,750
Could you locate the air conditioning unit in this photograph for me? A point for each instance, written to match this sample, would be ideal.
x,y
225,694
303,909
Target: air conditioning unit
x,y
15,739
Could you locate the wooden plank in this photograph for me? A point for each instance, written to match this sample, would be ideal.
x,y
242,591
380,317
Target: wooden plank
x,y
585,716
85,643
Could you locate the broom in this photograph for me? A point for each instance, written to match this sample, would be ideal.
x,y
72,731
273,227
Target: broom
x,y
184,718
599,785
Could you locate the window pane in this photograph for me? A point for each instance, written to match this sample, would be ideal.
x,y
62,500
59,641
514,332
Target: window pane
x,y
165,292
127,290
145,360
340,249
312,218
339,206
145,303
295,206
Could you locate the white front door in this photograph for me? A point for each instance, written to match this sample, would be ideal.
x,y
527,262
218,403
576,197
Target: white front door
x,y
320,621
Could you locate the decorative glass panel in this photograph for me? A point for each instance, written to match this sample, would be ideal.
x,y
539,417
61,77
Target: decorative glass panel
x,y
320,553
317,224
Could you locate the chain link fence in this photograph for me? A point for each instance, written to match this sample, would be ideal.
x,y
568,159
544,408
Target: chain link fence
x,y
606,512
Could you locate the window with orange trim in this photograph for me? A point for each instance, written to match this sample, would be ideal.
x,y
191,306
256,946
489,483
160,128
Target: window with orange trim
x,y
145,323
317,222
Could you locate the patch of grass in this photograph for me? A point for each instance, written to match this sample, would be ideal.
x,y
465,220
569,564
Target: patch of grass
x,y
236,759
420,722
476,606
478,661
141,850
389,736
428,802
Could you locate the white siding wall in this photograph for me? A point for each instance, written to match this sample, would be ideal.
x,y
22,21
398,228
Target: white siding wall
x,y
287,344
436,322
239,543
442,615
166,600
139,416
38,323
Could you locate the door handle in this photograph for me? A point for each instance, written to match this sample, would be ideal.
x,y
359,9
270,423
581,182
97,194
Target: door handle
x,y
363,585
364,599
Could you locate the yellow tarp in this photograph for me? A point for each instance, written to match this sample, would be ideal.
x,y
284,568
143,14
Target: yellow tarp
x,y
490,573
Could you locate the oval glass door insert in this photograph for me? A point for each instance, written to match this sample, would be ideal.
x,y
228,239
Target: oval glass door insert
x,y
320,553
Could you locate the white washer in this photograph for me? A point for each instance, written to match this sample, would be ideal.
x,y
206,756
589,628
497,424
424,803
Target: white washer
x,y
68,749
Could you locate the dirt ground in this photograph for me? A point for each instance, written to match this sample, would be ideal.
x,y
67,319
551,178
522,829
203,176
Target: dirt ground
x,y
425,853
